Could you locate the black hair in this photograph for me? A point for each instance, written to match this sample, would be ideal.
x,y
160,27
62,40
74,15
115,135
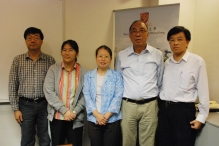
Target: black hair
x,y
106,48
33,30
73,44
178,29
135,22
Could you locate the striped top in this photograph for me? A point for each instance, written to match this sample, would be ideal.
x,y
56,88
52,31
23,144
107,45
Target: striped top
x,y
67,87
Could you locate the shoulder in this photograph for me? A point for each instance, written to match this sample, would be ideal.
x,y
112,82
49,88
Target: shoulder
x,y
196,58
47,57
154,51
91,73
125,51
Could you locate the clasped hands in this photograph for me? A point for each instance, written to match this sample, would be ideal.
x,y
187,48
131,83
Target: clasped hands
x,y
102,119
69,115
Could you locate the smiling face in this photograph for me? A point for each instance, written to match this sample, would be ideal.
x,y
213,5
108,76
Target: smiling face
x,y
33,42
138,34
68,54
178,44
103,59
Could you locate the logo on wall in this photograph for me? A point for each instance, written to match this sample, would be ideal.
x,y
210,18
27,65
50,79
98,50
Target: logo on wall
x,y
144,16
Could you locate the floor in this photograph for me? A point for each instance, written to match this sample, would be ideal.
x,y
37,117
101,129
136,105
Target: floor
x,y
10,131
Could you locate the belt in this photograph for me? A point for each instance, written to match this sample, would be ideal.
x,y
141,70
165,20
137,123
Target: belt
x,y
37,100
139,101
176,104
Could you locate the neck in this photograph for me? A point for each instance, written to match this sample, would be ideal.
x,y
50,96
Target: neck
x,y
101,71
177,57
69,66
34,54
139,49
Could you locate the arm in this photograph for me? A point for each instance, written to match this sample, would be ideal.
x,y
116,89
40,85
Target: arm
x,y
115,104
118,64
160,72
90,104
50,92
13,90
203,93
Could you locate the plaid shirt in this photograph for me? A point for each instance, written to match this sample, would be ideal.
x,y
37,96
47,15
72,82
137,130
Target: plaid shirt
x,y
27,77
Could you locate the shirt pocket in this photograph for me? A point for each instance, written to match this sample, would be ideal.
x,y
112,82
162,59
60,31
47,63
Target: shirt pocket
x,y
186,81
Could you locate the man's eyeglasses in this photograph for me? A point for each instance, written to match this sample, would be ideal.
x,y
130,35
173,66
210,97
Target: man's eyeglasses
x,y
35,38
134,32
179,40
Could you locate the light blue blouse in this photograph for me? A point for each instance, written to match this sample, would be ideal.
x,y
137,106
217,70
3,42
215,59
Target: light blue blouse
x,y
111,94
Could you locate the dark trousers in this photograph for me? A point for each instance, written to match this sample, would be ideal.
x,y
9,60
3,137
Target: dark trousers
x,y
62,130
107,135
174,127
34,121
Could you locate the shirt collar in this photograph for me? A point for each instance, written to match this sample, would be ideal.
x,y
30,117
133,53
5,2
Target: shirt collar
x,y
131,50
185,57
63,65
41,56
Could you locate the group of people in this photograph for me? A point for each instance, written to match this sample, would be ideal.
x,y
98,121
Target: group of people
x,y
144,101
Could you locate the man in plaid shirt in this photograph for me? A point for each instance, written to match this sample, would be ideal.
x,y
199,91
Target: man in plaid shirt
x,y
26,89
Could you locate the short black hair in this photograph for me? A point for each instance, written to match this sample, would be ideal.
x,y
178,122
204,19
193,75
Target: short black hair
x,y
106,48
135,22
178,29
33,30
73,44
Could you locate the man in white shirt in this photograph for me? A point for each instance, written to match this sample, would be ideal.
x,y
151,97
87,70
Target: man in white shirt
x,y
141,66
184,79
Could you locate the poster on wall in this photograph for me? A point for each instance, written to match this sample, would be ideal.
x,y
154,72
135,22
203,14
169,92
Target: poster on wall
x,y
159,19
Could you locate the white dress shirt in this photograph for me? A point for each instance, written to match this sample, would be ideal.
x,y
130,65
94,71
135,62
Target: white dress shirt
x,y
185,80
142,73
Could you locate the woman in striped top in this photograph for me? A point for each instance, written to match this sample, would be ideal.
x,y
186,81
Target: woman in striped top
x,y
63,91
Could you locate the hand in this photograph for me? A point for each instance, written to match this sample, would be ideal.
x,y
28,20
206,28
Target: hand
x,y
195,124
107,115
68,116
18,116
101,120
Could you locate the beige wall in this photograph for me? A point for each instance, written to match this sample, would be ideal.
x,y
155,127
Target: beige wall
x,y
90,23
201,18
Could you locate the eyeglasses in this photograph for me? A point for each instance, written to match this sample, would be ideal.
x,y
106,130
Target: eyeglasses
x,y
68,50
134,32
35,38
178,40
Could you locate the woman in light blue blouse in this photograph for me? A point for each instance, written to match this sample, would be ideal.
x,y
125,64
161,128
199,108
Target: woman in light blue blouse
x,y
103,90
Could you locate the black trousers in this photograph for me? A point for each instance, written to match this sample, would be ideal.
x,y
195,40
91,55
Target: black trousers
x,y
107,135
174,127
62,130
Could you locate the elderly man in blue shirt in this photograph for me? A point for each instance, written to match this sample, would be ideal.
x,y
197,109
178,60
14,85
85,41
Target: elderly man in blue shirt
x,y
141,66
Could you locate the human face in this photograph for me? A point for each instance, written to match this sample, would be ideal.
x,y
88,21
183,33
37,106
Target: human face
x,y
33,42
103,59
68,54
138,34
178,44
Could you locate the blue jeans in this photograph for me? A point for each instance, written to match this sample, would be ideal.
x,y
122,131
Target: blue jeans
x,y
34,121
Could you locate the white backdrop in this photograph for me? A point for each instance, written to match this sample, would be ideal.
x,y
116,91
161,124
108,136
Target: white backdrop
x,y
16,16
161,20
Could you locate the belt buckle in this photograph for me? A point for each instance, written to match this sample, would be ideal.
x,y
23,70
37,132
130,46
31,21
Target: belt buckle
x,y
167,103
35,100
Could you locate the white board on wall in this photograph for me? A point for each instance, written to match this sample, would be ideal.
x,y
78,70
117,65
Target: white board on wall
x,y
16,16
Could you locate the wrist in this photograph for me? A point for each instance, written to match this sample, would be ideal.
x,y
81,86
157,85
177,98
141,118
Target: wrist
x,y
74,112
